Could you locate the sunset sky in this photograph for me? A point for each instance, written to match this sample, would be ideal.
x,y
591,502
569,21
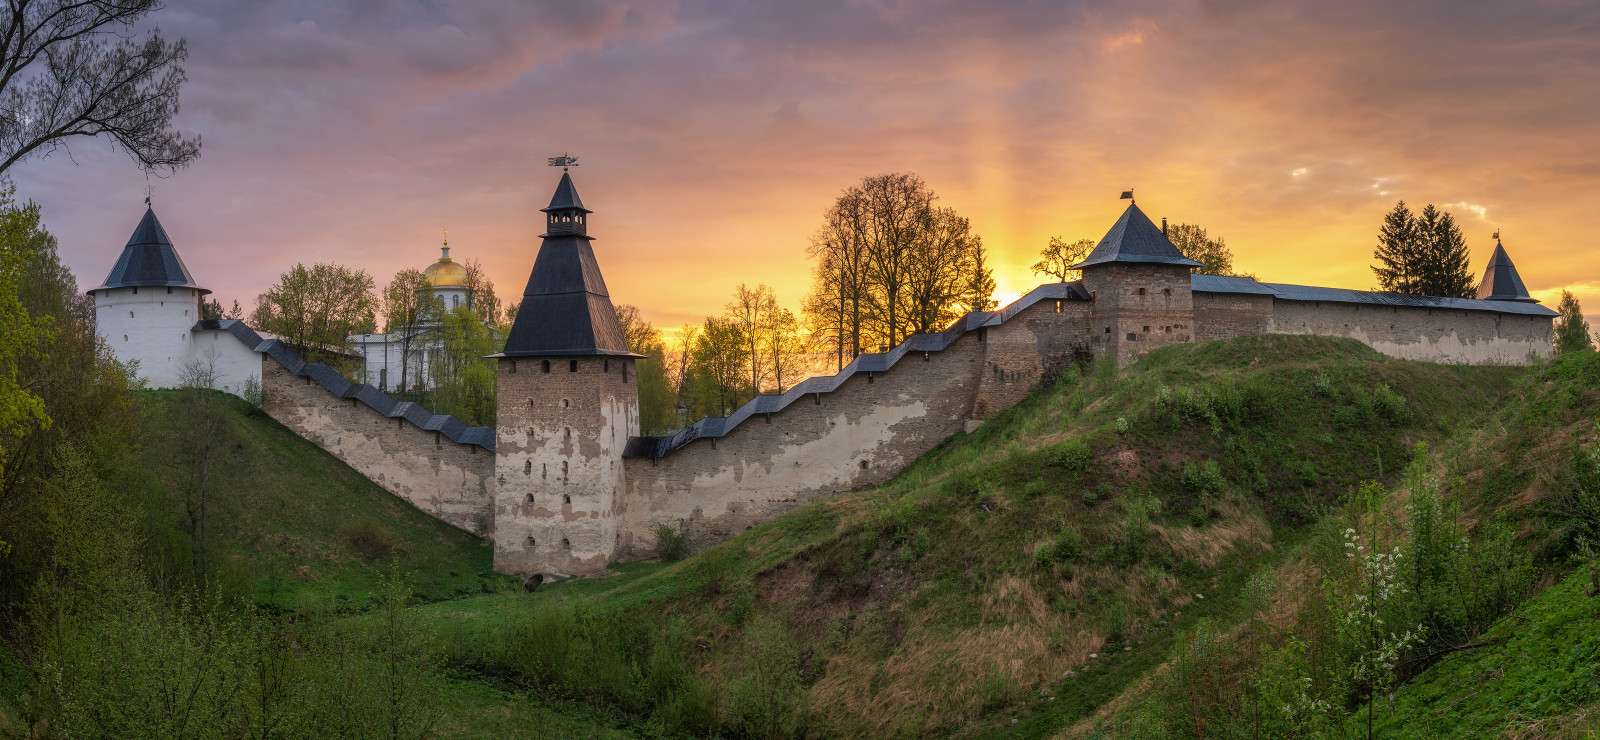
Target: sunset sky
x,y
712,135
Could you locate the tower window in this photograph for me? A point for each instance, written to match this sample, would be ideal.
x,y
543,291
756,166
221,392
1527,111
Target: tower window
x,y
529,543
1141,291
527,468
567,433
455,301
606,366
513,367
544,470
563,471
565,403
169,291
572,366
1058,306
1147,330
565,544
544,366
130,314
566,499
1167,292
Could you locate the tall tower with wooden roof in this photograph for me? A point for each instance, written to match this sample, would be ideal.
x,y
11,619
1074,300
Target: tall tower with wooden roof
x,y
568,402
1139,282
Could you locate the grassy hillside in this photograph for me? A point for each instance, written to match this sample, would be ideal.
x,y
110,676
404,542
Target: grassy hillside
x,y
1013,582
301,528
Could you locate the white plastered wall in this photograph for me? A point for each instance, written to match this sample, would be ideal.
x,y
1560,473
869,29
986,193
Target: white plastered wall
x,y
155,327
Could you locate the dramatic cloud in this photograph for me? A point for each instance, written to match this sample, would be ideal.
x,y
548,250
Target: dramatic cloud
x,y
713,134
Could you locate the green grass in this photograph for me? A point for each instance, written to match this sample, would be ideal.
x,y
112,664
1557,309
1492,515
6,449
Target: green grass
x,y
923,607
303,529
1541,663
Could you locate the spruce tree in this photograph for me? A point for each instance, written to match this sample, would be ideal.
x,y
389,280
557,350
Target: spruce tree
x,y
1444,267
1397,254
1572,333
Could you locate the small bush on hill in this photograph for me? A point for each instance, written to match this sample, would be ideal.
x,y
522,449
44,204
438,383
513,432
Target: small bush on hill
x,y
368,538
670,543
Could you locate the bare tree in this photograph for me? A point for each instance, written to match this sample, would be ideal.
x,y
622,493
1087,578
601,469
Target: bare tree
x,y
71,69
482,298
407,299
751,311
890,214
681,357
785,347
1059,257
938,270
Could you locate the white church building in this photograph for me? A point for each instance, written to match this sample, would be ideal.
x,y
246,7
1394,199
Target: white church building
x,y
382,353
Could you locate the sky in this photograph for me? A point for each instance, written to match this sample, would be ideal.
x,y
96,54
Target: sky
x,y
713,135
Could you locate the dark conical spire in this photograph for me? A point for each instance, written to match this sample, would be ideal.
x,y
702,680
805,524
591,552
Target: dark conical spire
x,y
149,259
1133,238
566,197
566,309
1501,281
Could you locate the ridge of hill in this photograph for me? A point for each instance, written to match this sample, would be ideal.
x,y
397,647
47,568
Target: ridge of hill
x,y
1013,581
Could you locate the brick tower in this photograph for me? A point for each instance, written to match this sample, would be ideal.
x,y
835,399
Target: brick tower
x,y
1140,285
568,402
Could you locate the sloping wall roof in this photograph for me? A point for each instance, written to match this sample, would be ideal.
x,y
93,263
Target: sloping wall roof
x,y
1289,292
325,376
719,426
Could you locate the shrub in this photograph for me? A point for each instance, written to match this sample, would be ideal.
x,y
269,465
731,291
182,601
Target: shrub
x,y
670,543
1073,455
1205,478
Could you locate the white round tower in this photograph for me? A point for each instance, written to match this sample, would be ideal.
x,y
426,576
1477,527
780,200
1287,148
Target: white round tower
x,y
148,307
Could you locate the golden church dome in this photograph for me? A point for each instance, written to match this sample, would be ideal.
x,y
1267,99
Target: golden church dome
x,y
446,273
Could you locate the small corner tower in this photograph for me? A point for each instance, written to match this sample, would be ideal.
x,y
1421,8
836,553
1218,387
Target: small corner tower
x,y
1500,280
568,402
148,306
1139,282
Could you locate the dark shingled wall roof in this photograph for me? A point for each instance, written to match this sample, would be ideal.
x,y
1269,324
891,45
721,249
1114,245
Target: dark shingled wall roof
x,y
149,259
1133,238
1501,281
331,381
1288,292
566,309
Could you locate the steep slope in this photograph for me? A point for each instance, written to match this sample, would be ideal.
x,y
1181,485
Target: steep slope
x,y
1013,580
289,521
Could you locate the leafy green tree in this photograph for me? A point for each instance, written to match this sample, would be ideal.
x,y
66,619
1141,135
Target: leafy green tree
x,y
315,310
657,397
717,366
1059,256
26,335
1211,252
463,379
1572,332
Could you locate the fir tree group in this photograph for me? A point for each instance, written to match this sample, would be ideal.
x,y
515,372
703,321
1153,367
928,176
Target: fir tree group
x,y
1422,254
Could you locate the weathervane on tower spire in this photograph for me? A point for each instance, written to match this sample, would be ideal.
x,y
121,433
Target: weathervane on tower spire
x,y
564,161
1128,195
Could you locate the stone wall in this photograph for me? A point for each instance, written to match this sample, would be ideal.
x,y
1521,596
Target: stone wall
x,y
1138,307
857,436
562,424
1224,315
448,480
1411,333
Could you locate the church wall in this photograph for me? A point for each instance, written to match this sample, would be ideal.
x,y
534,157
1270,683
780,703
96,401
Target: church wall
x,y
1224,315
559,468
1431,334
451,481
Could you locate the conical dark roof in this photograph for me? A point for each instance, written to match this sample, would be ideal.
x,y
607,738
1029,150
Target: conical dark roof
x,y
566,309
1133,238
566,196
1501,281
149,259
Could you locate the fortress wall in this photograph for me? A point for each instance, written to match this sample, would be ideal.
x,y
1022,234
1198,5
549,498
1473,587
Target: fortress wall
x,y
559,467
447,480
1431,334
1128,324
855,437
1225,315
1027,349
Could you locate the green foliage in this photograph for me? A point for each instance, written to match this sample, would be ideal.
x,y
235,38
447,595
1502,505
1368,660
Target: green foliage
x,y
463,378
27,333
1572,331
1211,252
316,309
1422,254
670,543
1205,478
